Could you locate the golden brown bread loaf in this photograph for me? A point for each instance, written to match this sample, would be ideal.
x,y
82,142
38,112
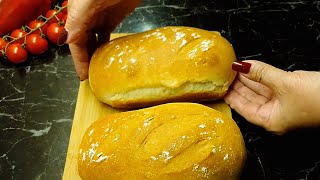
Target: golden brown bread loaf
x,y
162,65
170,141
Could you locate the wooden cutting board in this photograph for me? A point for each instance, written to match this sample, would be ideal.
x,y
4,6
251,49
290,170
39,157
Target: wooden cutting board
x,y
89,109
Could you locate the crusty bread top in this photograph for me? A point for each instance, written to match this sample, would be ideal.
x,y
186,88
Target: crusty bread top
x,y
168,57
170,141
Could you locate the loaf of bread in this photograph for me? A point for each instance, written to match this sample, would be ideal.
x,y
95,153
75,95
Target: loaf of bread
x,y
169,141
163,65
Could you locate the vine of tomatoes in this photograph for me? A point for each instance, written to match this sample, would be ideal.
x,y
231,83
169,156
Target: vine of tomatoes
x,y
33,38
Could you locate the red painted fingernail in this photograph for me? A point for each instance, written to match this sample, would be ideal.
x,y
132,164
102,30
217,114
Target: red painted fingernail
x,y
63,37
242,67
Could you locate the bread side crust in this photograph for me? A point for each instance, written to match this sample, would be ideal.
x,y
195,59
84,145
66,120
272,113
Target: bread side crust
x,y
188,92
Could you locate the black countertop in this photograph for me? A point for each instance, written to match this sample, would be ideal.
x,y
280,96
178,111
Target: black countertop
x,y
37,99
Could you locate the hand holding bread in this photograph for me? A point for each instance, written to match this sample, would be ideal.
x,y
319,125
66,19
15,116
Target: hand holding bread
x,y
274,99
169,140
176,64
88,20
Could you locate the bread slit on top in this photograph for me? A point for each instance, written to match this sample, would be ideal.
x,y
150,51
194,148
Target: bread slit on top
x,y
169,141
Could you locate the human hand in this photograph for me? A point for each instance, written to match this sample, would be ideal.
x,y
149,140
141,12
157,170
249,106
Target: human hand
x,y
88,18
274,99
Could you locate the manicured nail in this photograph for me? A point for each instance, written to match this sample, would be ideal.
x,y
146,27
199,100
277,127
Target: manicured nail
x,y
242,67
63,37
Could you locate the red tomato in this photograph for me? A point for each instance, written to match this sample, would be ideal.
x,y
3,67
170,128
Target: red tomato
x,y
35,24
36,44
16,54
3,44
51,13
14,14
53,32
18,33
65,3
65,17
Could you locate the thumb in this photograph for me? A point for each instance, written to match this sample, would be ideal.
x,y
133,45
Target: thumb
x,y
260,72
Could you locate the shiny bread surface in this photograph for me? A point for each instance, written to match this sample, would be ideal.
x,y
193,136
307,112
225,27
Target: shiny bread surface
x,y
162,65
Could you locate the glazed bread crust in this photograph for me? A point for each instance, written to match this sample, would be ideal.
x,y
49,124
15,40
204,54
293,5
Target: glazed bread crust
x,y
162,65
170,141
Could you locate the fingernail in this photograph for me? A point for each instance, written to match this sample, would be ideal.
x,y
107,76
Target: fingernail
x,y
63,37
242,67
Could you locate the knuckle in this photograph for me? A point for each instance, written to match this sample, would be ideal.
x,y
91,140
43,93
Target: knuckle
x,y
259,73
71,16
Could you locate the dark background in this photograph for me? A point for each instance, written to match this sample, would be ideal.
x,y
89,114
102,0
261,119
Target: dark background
x,y
37,99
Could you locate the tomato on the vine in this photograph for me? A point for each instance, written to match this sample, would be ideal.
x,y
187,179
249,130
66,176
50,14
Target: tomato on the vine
x,y
16,53
18,33
53,32
65,3
3,44
51,13
36,24
36,44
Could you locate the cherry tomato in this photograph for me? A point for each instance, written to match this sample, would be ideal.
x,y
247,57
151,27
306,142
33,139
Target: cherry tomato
x,y
65,3
51,12
3,44
53,32
36,44
65,17
16,53
18,33
35,24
